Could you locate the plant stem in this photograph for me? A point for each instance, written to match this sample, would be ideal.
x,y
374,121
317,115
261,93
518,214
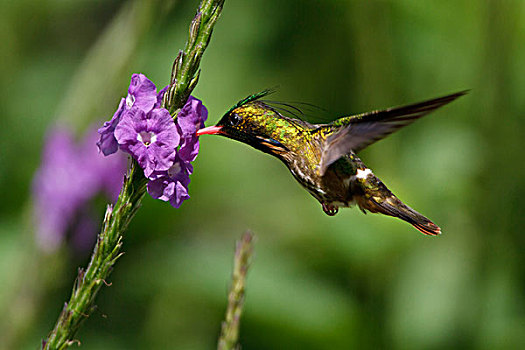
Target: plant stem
x,y
229,337
185,71
109,243
107,250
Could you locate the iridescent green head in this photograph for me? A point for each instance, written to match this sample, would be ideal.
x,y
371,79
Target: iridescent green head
x,y
253,122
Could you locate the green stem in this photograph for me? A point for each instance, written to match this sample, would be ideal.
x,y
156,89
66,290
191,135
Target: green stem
x,y
185,71
109,243
229,337
107,250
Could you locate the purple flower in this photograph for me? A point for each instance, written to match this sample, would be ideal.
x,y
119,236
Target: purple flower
x,y
67,179
190,119
172,185
142,94
192,116
163,148
107,142
151,138
56,194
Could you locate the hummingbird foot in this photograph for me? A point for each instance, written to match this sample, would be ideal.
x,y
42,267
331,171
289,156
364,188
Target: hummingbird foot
x,y
330,209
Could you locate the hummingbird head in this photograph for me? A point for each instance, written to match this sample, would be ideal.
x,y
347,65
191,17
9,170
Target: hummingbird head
x,y
255,123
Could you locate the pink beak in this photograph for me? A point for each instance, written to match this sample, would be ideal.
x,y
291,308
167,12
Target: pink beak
x,y
210,130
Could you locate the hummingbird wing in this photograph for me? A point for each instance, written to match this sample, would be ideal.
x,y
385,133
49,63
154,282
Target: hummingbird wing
x,y
359,131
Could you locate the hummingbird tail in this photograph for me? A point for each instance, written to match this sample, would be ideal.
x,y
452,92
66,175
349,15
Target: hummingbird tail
x,y
377,198
394,207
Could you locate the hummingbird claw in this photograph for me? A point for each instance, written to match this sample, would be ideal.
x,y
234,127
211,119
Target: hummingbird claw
x,y
330,209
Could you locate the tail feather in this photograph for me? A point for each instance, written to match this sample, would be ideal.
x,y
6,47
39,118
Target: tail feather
x,y
404,212
377,198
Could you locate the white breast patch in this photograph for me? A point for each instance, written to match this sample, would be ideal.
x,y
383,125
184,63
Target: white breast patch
x,y
363,174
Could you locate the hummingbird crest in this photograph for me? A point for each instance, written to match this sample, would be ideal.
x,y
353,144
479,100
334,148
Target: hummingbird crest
x,y
322,157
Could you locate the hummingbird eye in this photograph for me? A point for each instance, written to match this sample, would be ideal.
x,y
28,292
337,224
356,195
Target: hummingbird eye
x,y
235,119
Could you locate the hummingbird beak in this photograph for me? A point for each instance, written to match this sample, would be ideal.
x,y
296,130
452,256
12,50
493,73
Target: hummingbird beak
x,y
210,130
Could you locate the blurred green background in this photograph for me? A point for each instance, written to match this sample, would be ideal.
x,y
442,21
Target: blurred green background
x,y
317,282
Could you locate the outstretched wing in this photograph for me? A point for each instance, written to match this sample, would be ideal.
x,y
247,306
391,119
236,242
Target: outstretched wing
x,y
358,131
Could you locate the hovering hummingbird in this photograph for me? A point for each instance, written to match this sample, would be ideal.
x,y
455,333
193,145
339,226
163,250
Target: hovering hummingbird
x,y
322,157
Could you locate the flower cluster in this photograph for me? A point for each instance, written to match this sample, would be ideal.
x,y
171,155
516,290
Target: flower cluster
x,y
163,148
69,177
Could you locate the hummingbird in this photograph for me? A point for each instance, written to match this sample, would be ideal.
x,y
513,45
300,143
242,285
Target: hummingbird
x,y
323,157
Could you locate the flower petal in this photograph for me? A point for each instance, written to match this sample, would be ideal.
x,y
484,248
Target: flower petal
x,y
192,116
172,185
180,195
107,143
161,123
189,148
158,152
131,123
142,93
161,188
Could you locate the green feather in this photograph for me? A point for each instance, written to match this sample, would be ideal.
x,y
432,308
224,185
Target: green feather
x,y
251,98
